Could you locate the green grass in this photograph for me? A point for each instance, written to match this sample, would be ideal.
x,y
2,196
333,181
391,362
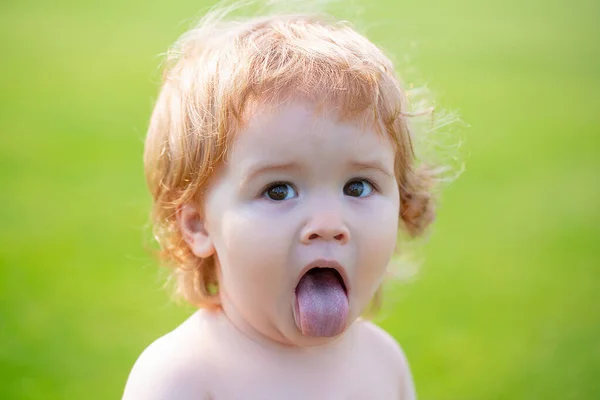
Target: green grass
x,y
506,303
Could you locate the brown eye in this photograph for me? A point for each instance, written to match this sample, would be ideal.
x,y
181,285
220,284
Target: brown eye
x,y
358,188
280,191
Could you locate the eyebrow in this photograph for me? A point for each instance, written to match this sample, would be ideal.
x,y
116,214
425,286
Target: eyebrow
x,y
372,165
254,171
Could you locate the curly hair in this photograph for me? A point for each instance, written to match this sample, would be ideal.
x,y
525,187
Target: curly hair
x,y
211,75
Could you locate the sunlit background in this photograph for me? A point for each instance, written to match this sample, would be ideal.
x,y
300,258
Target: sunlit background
x,y
506,303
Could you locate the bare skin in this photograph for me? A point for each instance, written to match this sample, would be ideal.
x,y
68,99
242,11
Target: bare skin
x,y
208,358
301,191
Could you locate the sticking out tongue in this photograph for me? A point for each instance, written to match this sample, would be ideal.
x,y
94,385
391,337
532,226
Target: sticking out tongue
x,y
321,303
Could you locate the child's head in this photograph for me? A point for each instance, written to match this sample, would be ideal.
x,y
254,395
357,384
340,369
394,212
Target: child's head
x,y
276,143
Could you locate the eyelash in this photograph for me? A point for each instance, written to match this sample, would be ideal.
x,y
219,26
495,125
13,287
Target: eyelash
x,y
276,183
370,182
281,183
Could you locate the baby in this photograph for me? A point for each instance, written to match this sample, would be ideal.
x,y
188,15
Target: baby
x,y
281,166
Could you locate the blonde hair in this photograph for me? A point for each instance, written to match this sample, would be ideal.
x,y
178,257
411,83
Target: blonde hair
x,y
211,75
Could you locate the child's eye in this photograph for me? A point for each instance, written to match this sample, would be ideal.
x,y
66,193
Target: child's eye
x,y
280,191
358,188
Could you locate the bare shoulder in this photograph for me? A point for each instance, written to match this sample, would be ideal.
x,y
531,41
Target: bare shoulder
x,y
174,366
382,343
389,353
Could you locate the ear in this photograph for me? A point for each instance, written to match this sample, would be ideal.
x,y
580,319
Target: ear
x,y
417,212
193,230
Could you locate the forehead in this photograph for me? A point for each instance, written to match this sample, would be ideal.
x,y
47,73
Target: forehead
x,y
296,130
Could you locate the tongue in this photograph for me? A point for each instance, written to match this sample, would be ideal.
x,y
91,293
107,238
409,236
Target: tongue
x,y
322,304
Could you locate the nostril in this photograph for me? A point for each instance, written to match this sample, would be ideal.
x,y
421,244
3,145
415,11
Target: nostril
x,y
341,237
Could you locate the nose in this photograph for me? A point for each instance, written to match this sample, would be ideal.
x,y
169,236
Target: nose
x,y
327,225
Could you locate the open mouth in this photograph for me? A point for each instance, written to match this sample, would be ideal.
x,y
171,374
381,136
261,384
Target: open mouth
x,y
321,308
328,273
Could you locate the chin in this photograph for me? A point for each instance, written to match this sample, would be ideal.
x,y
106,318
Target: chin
x,y
294,337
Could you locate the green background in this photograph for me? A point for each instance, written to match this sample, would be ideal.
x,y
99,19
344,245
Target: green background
x,y
506,304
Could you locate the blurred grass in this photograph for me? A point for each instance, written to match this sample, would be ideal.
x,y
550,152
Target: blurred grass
x,y
506,305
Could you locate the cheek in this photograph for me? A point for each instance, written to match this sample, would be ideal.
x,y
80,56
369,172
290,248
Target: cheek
x,y
378,236
252,247
387,228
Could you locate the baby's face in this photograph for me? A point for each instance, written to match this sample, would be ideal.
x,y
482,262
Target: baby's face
x,y
303,218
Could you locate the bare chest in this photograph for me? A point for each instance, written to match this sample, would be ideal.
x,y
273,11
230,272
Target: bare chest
x,y
267,379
